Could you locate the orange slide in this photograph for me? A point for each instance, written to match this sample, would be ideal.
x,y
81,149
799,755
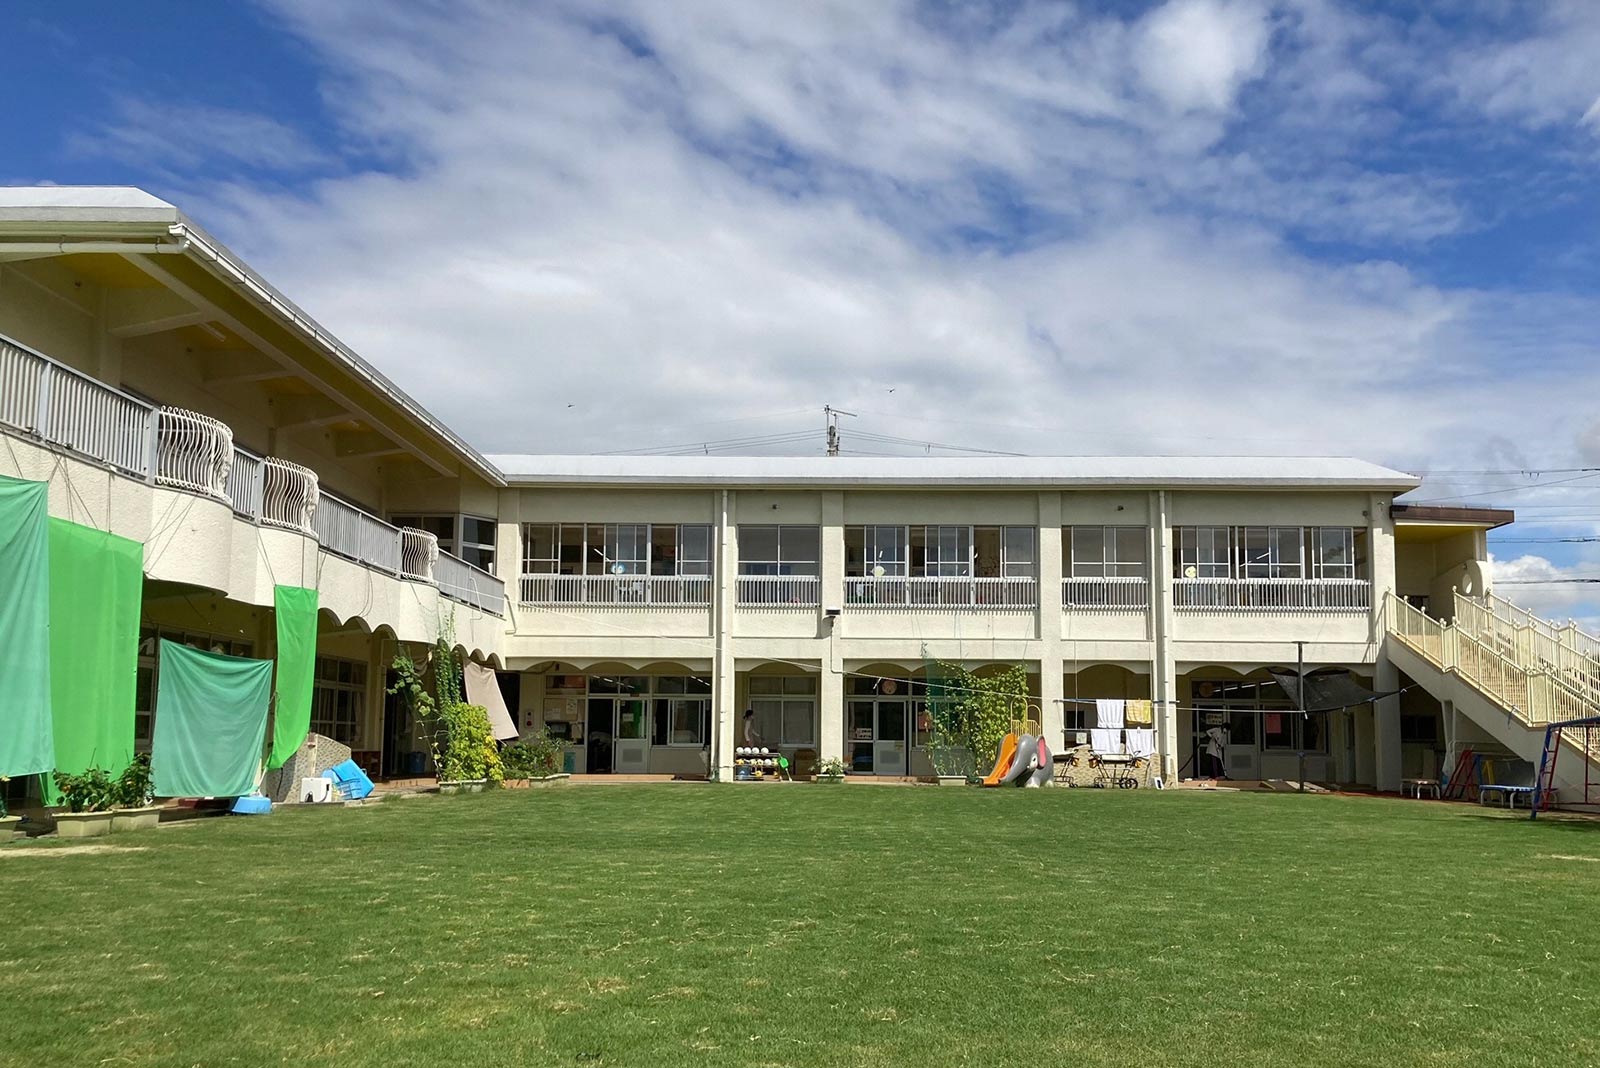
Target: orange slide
x,y
1008,753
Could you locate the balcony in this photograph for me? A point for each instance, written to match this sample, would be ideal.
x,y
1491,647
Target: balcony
x,y
893,593
655,591
1240,596
1123,595
780,591
44,399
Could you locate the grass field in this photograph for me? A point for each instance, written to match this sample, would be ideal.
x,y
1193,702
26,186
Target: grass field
x,y
812,926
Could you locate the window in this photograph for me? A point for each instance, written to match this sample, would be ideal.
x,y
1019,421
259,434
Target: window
x,y
1005,552
477,542
1270,553
941,552
442,527
1203,552
1420,729
779,550
339,699
1107,552
685,720
785,708
875,551
616,549
1333,552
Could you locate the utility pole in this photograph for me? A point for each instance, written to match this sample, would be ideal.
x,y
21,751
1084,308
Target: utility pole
x,y
1300,706
830,417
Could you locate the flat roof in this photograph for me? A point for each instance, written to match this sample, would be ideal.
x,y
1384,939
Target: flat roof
x,y
1222,472
84,204
1451,515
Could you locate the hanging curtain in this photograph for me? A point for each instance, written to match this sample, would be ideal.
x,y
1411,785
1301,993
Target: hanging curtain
x,y
27,745
295,613
211,722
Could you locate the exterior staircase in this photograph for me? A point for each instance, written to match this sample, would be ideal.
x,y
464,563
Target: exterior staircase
x,y
1513,674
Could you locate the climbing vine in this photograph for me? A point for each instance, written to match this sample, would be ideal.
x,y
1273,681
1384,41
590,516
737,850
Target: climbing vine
x,y
971,714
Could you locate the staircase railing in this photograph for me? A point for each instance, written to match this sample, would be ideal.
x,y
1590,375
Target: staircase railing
x,y
1566,653
1529,693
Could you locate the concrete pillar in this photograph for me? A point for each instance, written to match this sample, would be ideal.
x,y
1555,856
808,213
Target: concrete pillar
x,y
1386,727
1052,714
830,707
1163,666
724,689
1380,553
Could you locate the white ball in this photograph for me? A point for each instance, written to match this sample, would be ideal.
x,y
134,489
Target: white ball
x,y
763,750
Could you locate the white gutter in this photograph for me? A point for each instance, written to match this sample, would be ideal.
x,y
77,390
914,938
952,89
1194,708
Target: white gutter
x,y
68,248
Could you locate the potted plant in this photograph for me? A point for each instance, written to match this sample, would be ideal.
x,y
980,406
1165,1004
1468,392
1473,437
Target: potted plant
x,y
831,770
535,762
131,807
469,761
88,799
8,822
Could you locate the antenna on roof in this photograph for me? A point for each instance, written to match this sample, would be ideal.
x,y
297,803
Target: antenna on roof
x,y
831,418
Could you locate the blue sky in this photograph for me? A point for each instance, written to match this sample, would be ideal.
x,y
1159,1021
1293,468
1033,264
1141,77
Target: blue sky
x,y
1179,226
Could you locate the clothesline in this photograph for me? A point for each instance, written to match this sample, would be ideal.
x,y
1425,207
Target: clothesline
x,y
1214,708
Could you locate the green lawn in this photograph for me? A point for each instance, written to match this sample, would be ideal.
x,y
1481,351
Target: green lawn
x,y
808,925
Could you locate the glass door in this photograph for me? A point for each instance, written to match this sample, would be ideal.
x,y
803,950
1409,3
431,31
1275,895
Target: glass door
x,y
633,736
889,743
860,719
602,735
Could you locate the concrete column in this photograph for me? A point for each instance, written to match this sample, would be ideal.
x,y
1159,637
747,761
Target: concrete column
x,y
1380,552
1163,667
1051,712
1386,727
725,697
830,707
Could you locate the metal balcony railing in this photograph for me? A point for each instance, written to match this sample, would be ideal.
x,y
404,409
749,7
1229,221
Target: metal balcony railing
x,y
461,581
1105,595
1271,595
780,591
941,594
662,591
186,450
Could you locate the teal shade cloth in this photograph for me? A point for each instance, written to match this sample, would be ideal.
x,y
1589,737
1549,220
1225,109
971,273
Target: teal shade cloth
x,y
96,586
211,722
295,613
27,736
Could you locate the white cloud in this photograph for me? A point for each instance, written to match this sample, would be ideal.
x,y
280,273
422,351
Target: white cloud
x,y
1554,591
1545,75
1195,54
175,137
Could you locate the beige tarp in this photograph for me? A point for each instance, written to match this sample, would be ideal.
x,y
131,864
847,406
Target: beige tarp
x,y
482,689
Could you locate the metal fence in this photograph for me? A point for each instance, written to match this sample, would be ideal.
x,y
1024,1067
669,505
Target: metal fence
x,y
244,483
418,551
676,591
193,451
1272,595
1105,595
289,495
780,591
941,594
344,529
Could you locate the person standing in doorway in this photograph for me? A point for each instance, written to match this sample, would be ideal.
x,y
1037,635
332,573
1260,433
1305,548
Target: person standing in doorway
x,y
1216,751
751,735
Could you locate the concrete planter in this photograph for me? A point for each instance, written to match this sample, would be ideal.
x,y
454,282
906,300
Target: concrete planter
x,y
514,784
543,781
952,780
8,828
463,786
135,819
82,824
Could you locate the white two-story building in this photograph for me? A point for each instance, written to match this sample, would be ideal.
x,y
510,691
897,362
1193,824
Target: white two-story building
x,y
637,606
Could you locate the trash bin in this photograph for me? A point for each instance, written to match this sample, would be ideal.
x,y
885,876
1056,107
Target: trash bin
x,y
415,762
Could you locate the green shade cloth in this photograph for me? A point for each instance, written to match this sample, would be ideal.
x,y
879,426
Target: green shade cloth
x,y
295,612
211,720
96,586
26,743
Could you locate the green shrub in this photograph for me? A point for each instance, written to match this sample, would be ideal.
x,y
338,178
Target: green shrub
x,y
539,756
93,791
132,788
831,770
468,747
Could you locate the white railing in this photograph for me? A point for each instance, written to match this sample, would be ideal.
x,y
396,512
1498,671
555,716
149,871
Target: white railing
x,y
1534,698
344,529
1566,653
244,483
941,594
780,591
683,591
1272,595
64,407
289,495
419,550
460,581
193,451
1105,595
